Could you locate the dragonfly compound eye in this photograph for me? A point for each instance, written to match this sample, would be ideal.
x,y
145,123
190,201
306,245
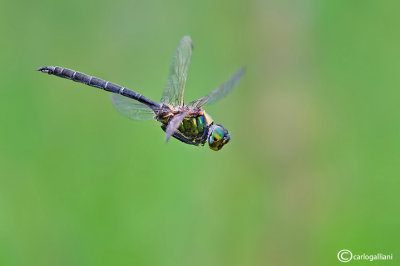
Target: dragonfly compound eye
x,y
218,138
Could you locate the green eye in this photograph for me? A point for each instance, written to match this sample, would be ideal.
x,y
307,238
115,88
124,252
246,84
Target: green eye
x,y
217,134
218,131
219,137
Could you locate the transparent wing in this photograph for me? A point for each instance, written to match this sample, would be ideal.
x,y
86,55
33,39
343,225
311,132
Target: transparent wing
x,y
219,92
174,89
174,124
131,108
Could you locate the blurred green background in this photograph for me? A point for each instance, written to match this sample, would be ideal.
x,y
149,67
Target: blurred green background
x,y
312,168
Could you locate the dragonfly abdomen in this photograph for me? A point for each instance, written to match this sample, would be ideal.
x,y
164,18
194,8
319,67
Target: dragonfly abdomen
x,y
97,83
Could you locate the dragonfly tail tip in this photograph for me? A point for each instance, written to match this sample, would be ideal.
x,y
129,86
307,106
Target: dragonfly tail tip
x,y
45,69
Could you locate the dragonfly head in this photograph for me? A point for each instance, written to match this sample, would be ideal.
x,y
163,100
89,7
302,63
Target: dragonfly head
x,y
218,138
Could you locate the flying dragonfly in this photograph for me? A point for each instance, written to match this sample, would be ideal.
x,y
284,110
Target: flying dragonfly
x,y
188,123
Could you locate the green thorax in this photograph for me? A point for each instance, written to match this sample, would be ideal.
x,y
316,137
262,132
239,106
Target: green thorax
x,y
193,128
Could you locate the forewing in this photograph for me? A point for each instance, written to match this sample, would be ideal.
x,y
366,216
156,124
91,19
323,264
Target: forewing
x,y
174,124
131,108
174,89
219,92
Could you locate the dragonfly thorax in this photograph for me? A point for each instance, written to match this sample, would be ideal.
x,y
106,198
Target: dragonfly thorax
x,y
194,128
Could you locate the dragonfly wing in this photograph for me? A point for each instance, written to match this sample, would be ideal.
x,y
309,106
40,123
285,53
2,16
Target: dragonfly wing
x,y
219,92
174,89
131,108
174,124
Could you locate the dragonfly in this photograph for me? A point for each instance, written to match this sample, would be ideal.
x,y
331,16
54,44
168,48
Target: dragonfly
x,y
188,123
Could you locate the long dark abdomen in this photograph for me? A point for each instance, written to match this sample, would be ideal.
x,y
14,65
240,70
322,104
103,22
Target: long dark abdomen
x,y
98,83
